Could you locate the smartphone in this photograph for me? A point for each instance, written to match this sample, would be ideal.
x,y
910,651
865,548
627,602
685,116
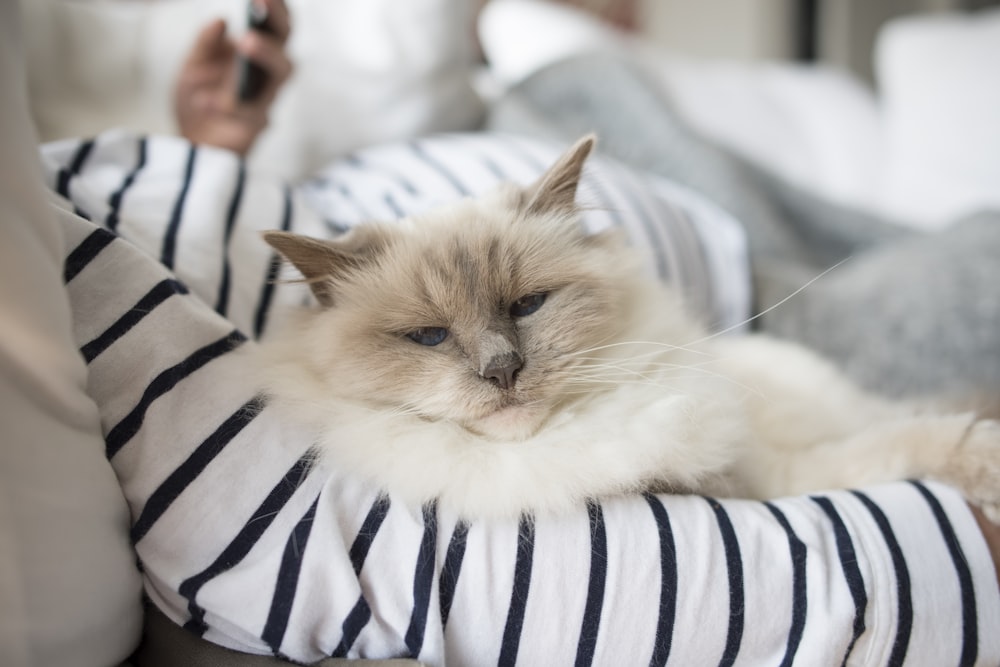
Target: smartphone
x,y
251,77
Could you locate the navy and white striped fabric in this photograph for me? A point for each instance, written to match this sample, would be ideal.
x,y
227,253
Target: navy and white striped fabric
x,y
244,543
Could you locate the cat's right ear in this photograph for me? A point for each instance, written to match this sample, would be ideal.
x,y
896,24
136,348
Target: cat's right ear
x,y
323,263
556,189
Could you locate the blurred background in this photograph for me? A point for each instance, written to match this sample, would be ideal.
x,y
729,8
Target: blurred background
x,y
888,106
837,32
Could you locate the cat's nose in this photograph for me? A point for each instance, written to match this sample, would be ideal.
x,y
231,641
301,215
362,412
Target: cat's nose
x,y
503,368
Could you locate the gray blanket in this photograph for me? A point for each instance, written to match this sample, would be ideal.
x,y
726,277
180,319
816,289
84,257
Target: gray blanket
x,y
906,313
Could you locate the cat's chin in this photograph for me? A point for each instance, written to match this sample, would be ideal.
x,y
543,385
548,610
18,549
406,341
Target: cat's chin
x,y
511,423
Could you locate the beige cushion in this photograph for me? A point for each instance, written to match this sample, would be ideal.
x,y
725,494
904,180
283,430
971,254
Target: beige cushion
x,y
69,590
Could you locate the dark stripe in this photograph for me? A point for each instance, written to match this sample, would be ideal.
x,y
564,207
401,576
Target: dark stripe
x,y
170,235
355,622
355,161
162,291
595,588
970,621
369,529
658,237
182,476
222,301
288,580
124,430
605,204
245,540
521,152
361,613
338,227
346,193
76,164
451,569
494,168
734,565
797,550
689,248
905,606
668,584
267,291
519,592
115,202
390,201
423,581
83,254
439,167
852,573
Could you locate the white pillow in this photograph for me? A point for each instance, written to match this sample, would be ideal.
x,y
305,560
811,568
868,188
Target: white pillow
x,y
366,72
520,37
940,84
816,126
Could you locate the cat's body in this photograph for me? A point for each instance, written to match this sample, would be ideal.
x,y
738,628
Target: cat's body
x,y
495,357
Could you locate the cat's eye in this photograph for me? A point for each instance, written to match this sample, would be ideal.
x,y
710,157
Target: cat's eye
x,y
527,304
429,336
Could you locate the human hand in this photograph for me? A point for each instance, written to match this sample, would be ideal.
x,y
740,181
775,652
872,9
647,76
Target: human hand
x,y
206,105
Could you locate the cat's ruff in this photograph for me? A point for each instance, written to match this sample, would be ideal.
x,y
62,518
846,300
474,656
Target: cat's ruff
x,y
660,425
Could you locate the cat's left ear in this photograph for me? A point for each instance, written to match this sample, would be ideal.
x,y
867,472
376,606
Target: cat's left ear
x,y
556,189
324,264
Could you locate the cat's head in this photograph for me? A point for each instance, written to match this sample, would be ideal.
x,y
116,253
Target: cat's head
x,y
478,313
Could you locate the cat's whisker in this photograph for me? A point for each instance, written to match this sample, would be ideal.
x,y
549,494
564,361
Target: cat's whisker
x,y
664,382
770,308
623,364
660,346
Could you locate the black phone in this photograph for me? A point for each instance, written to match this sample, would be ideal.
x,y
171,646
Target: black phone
x,y
251,77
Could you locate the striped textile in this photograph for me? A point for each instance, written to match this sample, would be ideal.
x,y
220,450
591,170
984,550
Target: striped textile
x,y
243,542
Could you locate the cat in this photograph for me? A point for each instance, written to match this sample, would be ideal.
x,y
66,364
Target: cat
x,y
495,357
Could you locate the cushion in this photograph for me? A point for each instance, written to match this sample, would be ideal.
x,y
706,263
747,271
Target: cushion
x,y
69,589
937,80
365,71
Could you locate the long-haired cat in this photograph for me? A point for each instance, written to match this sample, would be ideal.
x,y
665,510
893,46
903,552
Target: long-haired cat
x,y
496,357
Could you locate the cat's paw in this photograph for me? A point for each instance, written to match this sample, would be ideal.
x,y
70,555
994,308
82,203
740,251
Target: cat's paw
x,y
975,467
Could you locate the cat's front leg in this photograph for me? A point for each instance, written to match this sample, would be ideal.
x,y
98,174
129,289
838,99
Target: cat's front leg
x,y
955,449
975,467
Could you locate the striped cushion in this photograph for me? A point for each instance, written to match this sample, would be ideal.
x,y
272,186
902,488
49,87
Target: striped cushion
x,y
245,544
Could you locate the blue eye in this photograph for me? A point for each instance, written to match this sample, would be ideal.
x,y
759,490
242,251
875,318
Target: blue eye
x,y
429,336
527,304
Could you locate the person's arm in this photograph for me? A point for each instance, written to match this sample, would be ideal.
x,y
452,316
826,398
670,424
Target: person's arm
x,y
206,101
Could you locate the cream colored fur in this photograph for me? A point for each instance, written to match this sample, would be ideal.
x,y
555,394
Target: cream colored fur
x,y
620,391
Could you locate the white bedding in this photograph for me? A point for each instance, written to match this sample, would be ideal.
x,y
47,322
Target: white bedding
x,y
921,148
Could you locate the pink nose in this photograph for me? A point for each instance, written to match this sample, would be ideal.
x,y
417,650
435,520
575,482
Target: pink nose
x,y
503,369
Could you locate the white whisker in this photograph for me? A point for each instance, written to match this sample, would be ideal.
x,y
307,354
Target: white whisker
x,y
657,344
769,309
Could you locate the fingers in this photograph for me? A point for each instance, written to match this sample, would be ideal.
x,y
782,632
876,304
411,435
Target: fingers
x,y
277,18
210,44
268,52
